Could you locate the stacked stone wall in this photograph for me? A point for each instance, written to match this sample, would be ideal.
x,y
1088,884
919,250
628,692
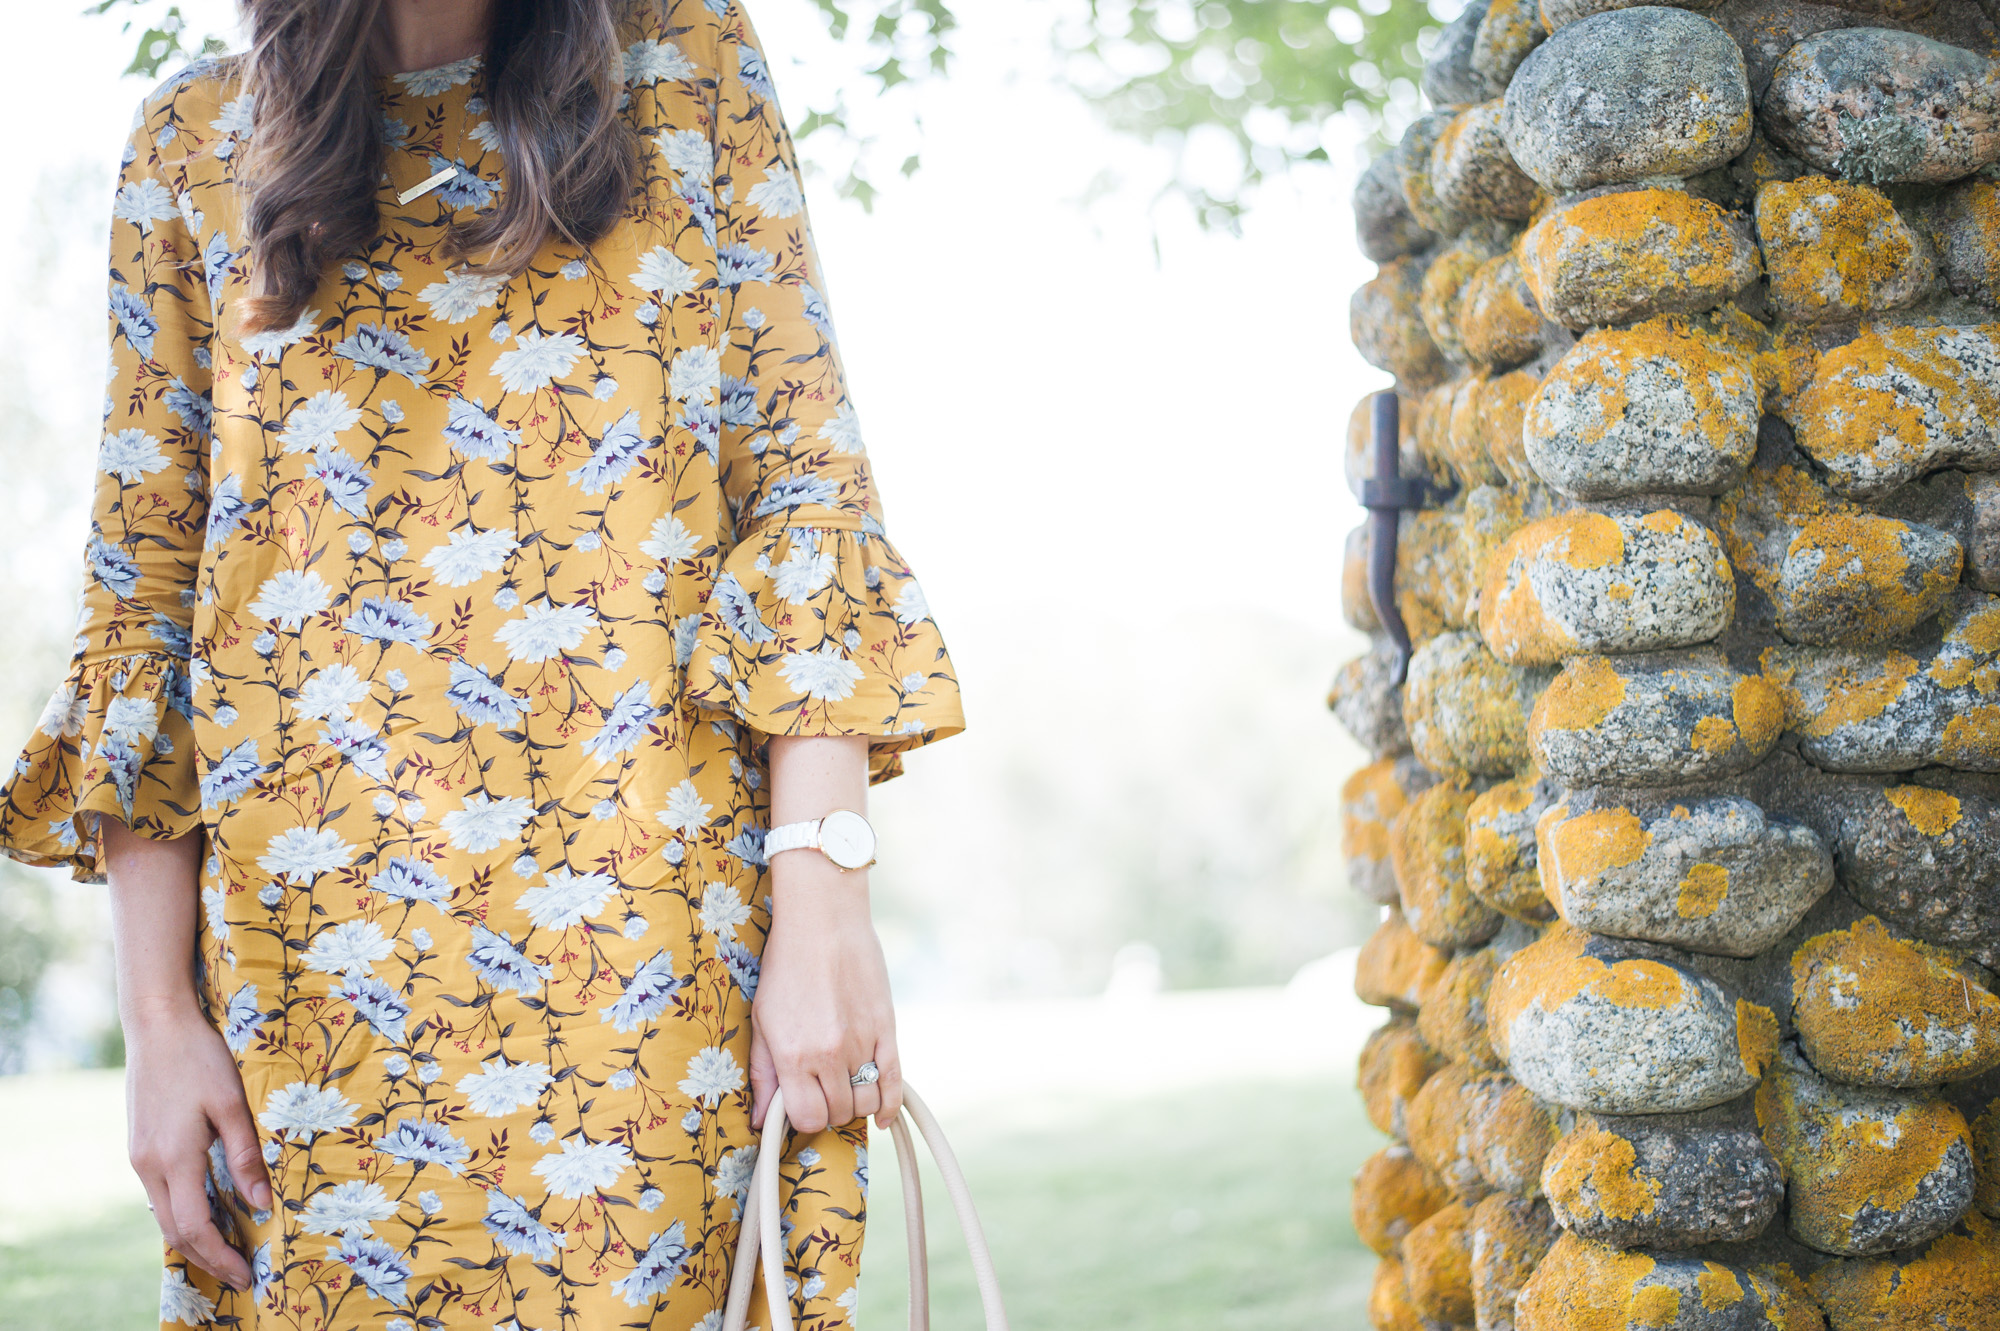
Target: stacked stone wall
x,y
1686,820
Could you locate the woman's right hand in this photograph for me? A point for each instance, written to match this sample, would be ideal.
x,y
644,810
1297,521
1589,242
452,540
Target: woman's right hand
x,y
182,1093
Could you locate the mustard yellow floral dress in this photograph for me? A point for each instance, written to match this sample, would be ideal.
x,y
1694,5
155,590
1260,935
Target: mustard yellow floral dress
x,y
454,615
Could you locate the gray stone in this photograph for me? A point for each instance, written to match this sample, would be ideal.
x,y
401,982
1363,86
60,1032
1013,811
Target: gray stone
x,y
1467,711
1597,582
1636,1183
1852,579
1590,1024
1884,106
1626,255
1413,168
1644,411
1385,321
1473,173
1966,227
1383,226
1449,79
1561,13
1711,875
1657,719
1628,95
1922,859
1982,542
1369,703
1868,1170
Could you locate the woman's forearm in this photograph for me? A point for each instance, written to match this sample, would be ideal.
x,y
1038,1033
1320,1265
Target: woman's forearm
x,y
811,776
155,895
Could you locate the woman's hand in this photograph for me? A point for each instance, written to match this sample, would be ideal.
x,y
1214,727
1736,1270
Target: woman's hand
x,y
182,1087
823,1006
183,1092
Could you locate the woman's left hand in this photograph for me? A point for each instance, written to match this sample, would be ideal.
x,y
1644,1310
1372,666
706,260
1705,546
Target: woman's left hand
x,y
823,1007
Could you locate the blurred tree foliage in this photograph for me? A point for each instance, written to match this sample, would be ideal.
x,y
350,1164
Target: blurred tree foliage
x,y
1261,77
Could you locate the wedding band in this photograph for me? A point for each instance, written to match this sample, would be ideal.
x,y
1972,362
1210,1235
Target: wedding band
x,y
867,1075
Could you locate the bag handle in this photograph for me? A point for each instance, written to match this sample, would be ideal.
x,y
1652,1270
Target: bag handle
x,y
761,1206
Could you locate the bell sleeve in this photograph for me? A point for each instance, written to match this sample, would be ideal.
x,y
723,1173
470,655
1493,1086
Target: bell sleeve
x,y
116,738
816,625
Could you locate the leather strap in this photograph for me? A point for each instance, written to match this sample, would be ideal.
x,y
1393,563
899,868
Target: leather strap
x,y
762,1204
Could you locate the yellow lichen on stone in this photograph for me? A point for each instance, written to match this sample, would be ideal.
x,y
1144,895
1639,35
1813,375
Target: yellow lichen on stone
x,y
1586,846
1503,405
1620,253
1498,323
1875,1010
1581,696
1592,1170
1393,1194
1714,734
1394,1065
1389,1302
1702,890
1932,812
1395,967
1553,969
1369,802
1837,249
1756,1036
1850,579
1758,709
1854,693
1437,1265
1949,1285
1719,1288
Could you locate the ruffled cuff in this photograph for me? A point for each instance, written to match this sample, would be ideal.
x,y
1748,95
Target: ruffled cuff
x,y
820,629
116,739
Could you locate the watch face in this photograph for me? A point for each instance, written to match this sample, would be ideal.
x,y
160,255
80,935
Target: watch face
x,y
847,839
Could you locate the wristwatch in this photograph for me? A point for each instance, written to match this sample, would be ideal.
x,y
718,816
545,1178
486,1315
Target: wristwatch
x,y
843,836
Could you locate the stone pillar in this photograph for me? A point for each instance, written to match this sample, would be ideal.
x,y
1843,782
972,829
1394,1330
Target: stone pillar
x,y
1685,823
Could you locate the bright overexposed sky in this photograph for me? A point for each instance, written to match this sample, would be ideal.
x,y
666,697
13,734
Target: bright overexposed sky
x,y
1108,442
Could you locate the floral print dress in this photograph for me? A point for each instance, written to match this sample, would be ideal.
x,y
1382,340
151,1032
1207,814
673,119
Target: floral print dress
x,y
454,616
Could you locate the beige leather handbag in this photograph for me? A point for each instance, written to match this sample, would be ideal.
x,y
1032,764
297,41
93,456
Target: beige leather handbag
x,y
760,1236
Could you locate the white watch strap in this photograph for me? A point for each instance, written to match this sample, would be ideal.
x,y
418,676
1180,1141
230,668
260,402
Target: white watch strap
x,y
792,836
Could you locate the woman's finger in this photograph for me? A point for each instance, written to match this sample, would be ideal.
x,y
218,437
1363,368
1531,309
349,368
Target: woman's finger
x,y
867,1100
805,1102
836,1083
889,1062
763,1078
242,1151
196,1237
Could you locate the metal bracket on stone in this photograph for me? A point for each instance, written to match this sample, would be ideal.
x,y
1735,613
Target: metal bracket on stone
x,y
1385,495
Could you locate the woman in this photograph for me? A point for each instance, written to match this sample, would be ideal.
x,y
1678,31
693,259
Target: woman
x,y
484,558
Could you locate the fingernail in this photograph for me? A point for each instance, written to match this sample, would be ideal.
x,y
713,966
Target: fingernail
x,y
260,1196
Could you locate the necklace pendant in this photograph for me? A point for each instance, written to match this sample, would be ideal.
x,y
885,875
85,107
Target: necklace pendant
x,y
424,187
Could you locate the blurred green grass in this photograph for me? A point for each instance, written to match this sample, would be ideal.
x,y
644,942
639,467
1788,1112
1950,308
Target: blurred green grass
x,y
1205,1211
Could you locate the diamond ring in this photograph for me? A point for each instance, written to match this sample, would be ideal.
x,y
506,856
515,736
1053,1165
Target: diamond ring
x,y
867,1075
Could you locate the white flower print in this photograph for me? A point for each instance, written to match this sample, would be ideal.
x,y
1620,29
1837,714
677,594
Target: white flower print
x,y
483,822
500,1087
130,455
911,607
696,374
332,692
825,675
302,853
290,598
300,1111
805,572
711,1074
665,273
537,360
777,194
723,910
351,945
582,1166
181,1303
274,342
134,720
236,116
461,296
842,430
689,154
670,540
143,202
565,899
686,812
315,422
469,554
353,1207
651,60
545,630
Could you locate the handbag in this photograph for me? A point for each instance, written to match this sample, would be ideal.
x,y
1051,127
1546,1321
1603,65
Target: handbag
x,y
760,1238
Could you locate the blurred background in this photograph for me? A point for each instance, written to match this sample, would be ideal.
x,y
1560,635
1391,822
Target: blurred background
x,y
1090,261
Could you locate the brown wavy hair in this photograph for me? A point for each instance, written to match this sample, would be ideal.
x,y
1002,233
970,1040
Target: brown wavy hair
x,y
553,82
